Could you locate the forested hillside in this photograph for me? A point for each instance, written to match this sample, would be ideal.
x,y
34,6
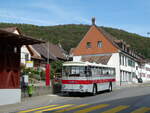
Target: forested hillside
x,y
70,35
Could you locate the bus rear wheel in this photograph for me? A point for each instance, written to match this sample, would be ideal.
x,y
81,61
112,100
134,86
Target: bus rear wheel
x,y
110,87
94,90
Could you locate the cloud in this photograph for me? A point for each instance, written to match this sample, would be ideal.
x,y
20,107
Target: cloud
x,y
61,13
42,13
9,15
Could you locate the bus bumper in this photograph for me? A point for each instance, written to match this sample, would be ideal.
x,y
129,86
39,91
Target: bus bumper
x,y
76,88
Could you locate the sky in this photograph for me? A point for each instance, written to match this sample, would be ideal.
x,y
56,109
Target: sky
x,y
130,15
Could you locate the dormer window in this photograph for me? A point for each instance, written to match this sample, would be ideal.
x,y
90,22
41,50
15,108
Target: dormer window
x,y
99,44
130,52
88,45
123,47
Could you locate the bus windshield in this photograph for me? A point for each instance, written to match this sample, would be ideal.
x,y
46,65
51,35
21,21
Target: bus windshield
x,y
77,71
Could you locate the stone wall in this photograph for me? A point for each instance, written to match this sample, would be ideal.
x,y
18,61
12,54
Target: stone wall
x,y
43,90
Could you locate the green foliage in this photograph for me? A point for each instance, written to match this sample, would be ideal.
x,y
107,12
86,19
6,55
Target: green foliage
x,y
42,75
34,73
70,35
56,68
139,43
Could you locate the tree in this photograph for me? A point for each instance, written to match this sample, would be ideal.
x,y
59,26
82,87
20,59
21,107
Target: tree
x,y
56,68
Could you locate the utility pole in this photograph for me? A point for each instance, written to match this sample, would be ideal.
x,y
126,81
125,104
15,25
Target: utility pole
x,y
48,52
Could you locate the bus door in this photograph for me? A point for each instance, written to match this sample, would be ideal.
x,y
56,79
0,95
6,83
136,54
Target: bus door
x,y
88,73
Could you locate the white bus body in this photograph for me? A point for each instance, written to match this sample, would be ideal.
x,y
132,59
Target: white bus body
x,y
87,77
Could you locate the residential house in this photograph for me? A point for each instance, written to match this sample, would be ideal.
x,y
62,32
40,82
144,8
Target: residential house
x,y
100,47
39,54
26,53
144,71
49,52
10,50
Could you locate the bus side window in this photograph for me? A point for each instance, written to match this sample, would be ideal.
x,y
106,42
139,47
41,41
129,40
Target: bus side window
x,y
93,70
82,71
77,70
88,71
100,70
104,71
73,70
114,71
110,70
97,71
107,73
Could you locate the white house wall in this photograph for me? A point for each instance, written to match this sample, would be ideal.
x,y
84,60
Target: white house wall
x,y
145,72
10,96
24,51
114,61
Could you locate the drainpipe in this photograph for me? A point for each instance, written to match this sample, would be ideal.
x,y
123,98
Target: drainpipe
x,y
119,68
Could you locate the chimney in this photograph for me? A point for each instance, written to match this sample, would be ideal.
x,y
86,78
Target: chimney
x,y
93,20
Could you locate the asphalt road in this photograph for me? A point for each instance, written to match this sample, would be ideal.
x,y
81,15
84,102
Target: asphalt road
x,y
126,100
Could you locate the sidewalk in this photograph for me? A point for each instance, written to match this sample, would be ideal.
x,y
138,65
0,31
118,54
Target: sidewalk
x,y
31,102
133,85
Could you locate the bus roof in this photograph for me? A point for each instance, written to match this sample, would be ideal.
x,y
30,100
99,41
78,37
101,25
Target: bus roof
x,y
71,63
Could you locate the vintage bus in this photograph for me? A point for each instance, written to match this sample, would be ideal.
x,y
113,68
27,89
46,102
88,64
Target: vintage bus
x,y
87,77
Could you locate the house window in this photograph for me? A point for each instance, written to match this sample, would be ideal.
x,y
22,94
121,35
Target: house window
x,y
131,63
99,44
120,59
27,57
123,60
88,45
